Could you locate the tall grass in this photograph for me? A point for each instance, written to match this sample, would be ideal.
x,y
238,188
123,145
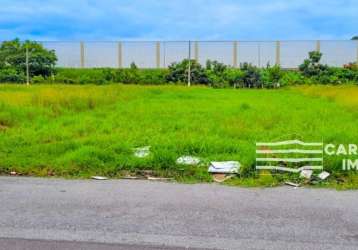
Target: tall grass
x,y
85,130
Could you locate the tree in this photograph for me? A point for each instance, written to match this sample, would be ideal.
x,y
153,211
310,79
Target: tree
x,y
13,55
355,38
312,66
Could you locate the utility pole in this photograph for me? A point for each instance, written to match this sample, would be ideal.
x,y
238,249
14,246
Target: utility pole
x,y
27,66
189,65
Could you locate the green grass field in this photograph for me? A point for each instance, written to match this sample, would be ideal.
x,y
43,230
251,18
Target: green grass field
x,y
79,131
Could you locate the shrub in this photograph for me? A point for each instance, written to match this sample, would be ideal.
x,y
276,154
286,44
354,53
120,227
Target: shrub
x,y
38,79
11,75
234,77
271,76
215,72
312,67
251,77
178,72
292,78
109,75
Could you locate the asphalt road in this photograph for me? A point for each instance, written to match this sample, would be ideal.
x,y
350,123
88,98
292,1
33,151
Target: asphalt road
x,y
87,214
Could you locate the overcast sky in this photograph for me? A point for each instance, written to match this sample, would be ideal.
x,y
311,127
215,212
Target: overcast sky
x,y
178,19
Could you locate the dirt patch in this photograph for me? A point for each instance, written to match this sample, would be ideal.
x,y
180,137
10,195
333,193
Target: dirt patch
x,y
3,127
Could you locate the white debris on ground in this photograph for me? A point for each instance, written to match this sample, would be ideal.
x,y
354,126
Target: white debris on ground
x,y
100,178
222,177
224,167
142,152
324,175
188,160
295,185
306,174
159,179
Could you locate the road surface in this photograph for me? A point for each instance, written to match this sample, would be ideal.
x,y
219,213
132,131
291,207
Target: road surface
x,y
40,213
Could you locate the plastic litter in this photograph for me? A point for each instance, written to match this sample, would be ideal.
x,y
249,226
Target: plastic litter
x,y
13,173
324,175
142,152
306,174
100,178
222,177
296,185
132,178
159,179
224,167
188,160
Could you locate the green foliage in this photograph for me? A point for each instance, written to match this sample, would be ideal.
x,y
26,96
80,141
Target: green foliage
x,y
292,78
38,79
251,77
271,76
11,75
101,76
41,61
234,77
178,72
215,74
312,67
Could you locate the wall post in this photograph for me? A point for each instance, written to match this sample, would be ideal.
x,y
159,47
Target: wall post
x,y
158,54
234,54
120,60
318,46
82,54
196,51
278,53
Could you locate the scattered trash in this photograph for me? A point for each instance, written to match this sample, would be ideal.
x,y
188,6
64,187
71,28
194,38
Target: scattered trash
x,y
131,177
296,185
142,152
324,175
159,179
222,177
306,174
224,167
100,178
13,173
188,160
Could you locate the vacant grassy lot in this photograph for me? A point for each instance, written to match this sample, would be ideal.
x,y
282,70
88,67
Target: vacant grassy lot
x,y
78,131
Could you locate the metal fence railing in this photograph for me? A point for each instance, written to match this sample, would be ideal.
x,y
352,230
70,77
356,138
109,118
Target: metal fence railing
x,y
289,54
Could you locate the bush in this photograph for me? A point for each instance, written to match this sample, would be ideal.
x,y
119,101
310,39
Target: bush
x,y
251,77
178,73
109,75
271,76
215,72
312,67
234,77
292,78
11,75
38,79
